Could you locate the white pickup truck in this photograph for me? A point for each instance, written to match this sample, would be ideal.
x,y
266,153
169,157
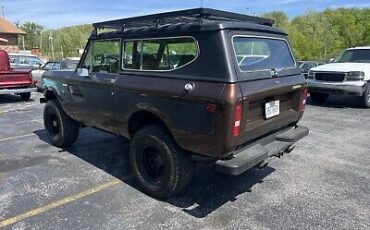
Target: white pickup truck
x,y
349,74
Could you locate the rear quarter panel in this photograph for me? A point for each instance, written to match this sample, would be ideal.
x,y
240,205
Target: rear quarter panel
x,y
185,113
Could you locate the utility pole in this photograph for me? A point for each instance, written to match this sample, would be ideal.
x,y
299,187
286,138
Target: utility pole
x,y
41,41
23,43
51,42
61,50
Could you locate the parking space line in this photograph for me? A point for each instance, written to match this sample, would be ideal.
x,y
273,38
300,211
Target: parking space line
x,y
16,137
58,203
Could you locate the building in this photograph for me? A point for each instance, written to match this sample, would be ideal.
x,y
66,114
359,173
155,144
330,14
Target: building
x,y
9,34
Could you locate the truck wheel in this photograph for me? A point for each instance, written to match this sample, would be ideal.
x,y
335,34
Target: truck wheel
x,y
319,97
365,98
158,165
60,128
25,96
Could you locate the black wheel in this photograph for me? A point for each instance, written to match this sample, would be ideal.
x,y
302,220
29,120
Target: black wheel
x,y
319,97
365,98
25,96
158,164
60,128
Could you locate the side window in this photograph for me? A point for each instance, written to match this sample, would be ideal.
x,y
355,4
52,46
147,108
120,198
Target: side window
x,y
48,66
106,56
56,66
131,57
159,54
87,62
103,56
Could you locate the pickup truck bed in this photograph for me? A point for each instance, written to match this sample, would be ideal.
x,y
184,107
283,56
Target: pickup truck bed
x,y
14,81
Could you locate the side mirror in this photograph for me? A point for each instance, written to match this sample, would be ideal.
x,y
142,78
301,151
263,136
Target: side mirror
x,y
331,60
83,72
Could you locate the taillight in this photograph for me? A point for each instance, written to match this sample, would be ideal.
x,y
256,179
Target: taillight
x,y
237,120
304,99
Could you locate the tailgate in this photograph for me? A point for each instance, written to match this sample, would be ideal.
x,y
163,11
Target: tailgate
x,y
288,92
13,79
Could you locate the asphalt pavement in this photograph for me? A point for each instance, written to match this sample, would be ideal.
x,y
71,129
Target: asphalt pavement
x,y
324,183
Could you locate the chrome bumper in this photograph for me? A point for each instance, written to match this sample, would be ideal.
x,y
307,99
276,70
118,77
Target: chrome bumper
x,y
18,91
350,87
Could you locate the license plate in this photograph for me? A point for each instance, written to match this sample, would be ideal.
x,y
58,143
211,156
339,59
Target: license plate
x,y
272,109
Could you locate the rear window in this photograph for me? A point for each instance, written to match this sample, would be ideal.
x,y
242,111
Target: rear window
x,y
257,54
162,54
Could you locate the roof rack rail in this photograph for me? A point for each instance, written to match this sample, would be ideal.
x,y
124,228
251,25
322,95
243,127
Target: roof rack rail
x,y
197,15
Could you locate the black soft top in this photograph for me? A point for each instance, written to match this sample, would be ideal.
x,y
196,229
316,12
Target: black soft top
x,y
184,21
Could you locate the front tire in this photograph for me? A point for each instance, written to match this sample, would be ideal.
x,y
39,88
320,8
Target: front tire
x,y
61,130
319,97
25,96
160,167
365,98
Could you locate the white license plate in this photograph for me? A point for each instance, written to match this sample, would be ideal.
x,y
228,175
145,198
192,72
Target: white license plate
x,y
272,109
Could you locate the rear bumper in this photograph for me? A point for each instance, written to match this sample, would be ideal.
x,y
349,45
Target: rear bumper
x,y
252,155
353,87
18,90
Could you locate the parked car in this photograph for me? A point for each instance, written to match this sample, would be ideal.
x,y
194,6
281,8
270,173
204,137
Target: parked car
x,y
25,61
348,75
14,81
66,65
181,101
305,66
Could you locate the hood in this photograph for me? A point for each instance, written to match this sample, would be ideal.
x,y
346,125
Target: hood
x,y
343,67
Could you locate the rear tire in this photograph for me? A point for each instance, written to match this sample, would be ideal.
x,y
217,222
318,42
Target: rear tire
x,y
160,167
25,96
61,130
365,98
319,97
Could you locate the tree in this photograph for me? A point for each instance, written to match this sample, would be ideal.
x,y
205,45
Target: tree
x,y
281,19
33,30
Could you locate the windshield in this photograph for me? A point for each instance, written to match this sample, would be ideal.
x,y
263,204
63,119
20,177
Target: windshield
x,y
359,55
254,54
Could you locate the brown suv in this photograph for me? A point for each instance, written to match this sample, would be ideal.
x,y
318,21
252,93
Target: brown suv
x,y
189,88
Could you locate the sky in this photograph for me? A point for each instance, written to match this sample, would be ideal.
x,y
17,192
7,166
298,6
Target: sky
x,y
58,13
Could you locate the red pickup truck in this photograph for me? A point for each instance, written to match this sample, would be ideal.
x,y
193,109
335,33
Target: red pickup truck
x,y
14,81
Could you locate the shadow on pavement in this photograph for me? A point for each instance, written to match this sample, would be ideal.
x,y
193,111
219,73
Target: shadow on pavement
x,y
10,98
337,101
207,191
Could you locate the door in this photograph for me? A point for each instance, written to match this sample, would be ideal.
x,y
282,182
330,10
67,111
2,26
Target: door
x,y
92,94
272,87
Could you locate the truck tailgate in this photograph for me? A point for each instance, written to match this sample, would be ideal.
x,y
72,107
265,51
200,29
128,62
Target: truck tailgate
x,y
14,79
286,91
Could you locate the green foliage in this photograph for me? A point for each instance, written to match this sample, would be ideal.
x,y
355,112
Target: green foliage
x,y
33,31
314,35
323,35
66,41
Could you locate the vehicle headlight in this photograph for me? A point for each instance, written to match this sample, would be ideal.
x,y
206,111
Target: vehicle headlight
x,y
355,76
310,74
